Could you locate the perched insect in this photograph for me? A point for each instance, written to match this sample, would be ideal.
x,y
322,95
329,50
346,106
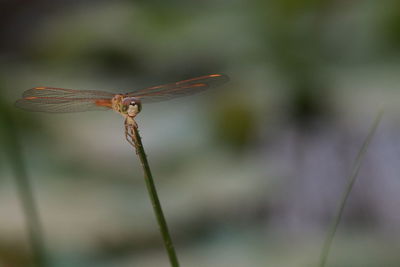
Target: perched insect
x,y
59,100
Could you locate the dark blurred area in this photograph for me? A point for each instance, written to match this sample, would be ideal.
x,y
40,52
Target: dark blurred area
x,y
249,174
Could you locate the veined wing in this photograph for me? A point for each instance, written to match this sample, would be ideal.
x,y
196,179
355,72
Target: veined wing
x,y
60,100
179,89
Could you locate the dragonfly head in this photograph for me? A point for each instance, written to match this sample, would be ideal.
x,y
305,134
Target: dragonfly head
x,y
131,106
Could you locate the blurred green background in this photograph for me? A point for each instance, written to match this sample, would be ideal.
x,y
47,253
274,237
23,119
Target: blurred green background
x,y
249,174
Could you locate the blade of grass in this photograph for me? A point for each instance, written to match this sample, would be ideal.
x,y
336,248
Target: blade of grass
x,y
162,223
33,226
351,180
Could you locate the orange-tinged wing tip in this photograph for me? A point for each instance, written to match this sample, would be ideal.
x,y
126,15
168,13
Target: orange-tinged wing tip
x,y
39,88
215,75
198,85
30,97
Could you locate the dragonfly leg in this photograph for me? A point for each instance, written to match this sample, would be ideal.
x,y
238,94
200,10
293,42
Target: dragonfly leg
x,y
129,137
132,128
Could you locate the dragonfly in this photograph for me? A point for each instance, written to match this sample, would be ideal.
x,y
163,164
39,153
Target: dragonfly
x,y
60,100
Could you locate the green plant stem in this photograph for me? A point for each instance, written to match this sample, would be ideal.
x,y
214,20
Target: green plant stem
x,y
25,192
162,223
351,180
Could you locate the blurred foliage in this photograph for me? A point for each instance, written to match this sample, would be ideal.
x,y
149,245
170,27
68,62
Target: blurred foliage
x,y
249,174
235,124
14,253
391,26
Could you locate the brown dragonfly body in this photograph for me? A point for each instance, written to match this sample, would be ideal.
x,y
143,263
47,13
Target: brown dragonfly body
x,y
60,100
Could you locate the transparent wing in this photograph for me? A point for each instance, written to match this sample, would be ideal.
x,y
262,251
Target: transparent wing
x,y
59,100
179,89
65,93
